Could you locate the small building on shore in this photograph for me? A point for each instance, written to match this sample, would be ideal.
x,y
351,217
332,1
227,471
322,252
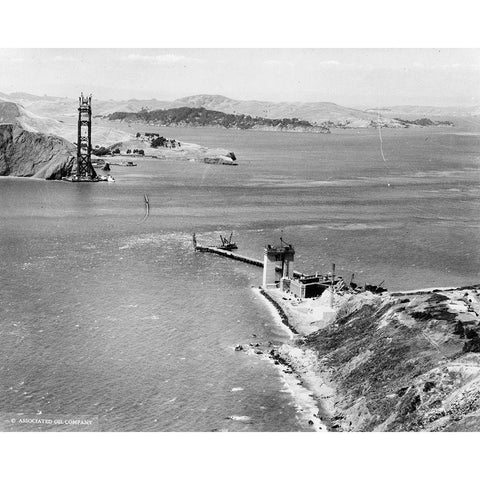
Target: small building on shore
x,y
305,286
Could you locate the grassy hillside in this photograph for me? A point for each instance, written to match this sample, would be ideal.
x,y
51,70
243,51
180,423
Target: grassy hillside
x,y
201,117
404,362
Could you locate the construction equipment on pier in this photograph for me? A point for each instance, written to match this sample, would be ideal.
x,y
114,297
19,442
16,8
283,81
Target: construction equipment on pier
x,y
278,272
227,243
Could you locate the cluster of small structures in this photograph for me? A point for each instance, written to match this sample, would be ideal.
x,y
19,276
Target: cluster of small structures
x,y
156,140
278,271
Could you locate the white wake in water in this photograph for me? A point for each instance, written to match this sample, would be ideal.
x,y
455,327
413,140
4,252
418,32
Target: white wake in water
x,y
381,139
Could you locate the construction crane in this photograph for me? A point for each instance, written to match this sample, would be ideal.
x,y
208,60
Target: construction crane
x,y
227,243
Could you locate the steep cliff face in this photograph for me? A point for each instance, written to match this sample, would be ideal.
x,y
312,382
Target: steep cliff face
x,y
30,154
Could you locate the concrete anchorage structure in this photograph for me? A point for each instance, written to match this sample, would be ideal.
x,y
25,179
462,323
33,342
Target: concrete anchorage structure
x,y
279,259
274,255
306,286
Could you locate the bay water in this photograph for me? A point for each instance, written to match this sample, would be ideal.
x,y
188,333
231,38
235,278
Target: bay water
x,y
107,315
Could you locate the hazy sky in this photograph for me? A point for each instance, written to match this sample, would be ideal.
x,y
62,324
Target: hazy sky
x,y
351,77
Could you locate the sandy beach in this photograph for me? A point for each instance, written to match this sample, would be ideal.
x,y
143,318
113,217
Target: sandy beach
x,y
297,365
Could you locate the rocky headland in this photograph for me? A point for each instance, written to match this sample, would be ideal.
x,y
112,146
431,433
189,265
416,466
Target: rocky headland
x,y
386,362
27,152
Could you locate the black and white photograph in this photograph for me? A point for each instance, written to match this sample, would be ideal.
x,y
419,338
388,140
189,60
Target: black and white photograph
x,y
240,239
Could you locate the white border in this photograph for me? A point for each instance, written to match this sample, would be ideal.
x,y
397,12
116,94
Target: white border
x,y
250,24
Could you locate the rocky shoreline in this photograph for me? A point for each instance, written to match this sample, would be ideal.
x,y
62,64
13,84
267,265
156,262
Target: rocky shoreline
x,y
298,369
306,394
390,362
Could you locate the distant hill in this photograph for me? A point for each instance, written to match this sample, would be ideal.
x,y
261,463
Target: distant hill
x,y
426,111
58,116
322,113
12,113
202,117
314,112
66,107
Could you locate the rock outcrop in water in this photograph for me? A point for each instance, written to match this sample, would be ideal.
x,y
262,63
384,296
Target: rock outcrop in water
x,y
29,154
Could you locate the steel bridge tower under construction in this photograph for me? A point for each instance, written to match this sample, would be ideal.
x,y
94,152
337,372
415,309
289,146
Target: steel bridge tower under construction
x,y
83,170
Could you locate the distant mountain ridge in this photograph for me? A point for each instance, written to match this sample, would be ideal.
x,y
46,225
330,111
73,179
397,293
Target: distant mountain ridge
x,y
61,108
13,113
315,112
427,111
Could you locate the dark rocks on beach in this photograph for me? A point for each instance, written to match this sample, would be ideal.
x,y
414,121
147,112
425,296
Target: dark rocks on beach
x,y
401,391
459,329
282,314
428,386
238,348
470,333
472,345
410,404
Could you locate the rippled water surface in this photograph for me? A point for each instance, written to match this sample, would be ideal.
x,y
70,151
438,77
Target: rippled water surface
x,y
103,314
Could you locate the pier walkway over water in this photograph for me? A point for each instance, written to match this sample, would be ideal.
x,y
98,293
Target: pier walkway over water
x,y
280,260
238,257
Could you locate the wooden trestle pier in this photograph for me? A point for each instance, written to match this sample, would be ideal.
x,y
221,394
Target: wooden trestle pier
x,y
237,256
